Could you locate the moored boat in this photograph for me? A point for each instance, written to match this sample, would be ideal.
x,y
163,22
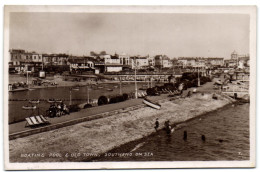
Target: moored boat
x,y
218,82
26,107
75,88
34,101
151,103
54,100
18,89
109,89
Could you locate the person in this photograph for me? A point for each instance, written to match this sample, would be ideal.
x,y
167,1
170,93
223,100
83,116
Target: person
x,y
169,130
185,135
59,107
66,110
62,105
189,94
167,127
214,96
166,124
156,124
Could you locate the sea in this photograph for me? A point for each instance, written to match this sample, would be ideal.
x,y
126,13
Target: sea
x,y
226,133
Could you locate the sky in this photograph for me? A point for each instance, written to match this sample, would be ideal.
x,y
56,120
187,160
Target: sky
x,y
175,35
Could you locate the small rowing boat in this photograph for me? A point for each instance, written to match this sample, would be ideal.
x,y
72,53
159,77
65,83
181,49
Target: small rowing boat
x,y
34,101
18,89
54,101
151,103
75,88
109,89
29,107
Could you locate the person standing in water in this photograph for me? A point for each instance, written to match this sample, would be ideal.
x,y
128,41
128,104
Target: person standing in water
x,y
167,127
156,124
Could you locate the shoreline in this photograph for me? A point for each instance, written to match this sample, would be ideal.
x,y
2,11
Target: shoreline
x,y
102,135
128,147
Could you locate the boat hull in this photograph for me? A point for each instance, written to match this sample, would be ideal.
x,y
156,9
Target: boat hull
x,y
151,104
54,101
19,89
34,102
29,108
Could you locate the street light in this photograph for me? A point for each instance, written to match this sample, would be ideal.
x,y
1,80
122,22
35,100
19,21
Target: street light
x,y
135,80
198,77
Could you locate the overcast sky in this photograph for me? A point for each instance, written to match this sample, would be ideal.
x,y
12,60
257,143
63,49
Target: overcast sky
x,y
206,35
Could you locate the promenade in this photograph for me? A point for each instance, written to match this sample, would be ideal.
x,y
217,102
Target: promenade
x,y
20,126
91,112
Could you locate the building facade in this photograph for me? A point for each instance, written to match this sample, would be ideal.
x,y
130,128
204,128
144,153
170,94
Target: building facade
x,y
139,62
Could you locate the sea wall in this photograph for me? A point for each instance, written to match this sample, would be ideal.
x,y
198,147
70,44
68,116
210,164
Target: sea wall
x,y
92,138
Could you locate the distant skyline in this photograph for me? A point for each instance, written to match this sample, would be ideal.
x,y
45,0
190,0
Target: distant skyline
x,y
175,35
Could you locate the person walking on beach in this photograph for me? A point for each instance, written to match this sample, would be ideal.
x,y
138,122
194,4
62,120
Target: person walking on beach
x,y
156,124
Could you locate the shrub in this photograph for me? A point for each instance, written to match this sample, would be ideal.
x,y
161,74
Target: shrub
x,y
74,108
125,96
102,100
169,86
119,98
87,106
113,100
152,91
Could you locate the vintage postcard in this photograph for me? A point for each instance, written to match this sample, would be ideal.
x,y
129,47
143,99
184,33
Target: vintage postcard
x,y
108,87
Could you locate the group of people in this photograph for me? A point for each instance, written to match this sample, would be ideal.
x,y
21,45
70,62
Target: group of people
x,y
57,110
167,126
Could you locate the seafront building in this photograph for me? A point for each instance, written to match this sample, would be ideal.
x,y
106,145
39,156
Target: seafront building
x,y
140,62
208,62
238,60
22,61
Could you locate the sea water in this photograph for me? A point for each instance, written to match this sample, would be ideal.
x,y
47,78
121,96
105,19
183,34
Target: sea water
x,y
226,134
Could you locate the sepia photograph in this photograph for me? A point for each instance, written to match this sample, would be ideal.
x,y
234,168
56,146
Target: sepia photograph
x,y
114,87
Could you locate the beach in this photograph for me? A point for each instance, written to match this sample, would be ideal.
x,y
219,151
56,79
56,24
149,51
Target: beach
x,y
82,141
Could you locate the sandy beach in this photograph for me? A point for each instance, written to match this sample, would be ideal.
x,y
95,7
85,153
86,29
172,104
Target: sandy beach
x,y
95,137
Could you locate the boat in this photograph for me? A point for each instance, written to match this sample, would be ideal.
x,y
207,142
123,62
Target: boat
x,y
218,82
34,101
75,88
26,107
54,100
18,89
151,103
100,87
109,89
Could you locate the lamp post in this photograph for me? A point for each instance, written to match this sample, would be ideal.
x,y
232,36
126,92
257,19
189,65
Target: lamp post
x,y
88,94
135,81
27,80
198,77
70,96
120,85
